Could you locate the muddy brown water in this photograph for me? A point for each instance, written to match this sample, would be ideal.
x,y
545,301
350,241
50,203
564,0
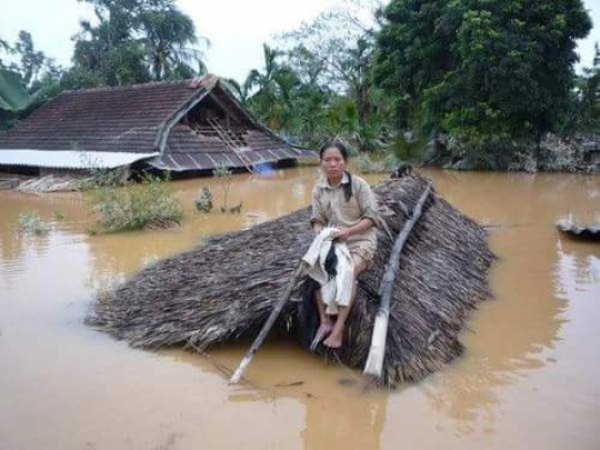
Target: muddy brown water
x,y
530,376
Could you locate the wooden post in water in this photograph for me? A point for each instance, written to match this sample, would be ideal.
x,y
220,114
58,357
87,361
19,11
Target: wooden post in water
x,y
374,364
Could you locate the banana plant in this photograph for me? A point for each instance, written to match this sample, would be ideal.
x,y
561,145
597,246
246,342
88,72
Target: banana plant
x,y
13,94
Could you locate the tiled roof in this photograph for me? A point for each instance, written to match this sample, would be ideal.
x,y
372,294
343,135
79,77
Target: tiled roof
x,y
125,119
146,118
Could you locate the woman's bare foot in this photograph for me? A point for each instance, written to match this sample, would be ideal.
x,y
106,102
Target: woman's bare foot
x,y
323,331
334,340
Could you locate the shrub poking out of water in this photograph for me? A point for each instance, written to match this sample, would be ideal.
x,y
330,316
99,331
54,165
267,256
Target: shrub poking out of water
x,y
364,164
409,148
32,223
223,174
58,215
98,176
204,201
234,209
148,204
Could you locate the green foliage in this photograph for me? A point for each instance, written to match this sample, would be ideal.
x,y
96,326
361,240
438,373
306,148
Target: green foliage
x,y
134,41
27,82
100,61
365,164
13,94
35,69
487,152
97,176
479,69
136,206
493,75
318,84
31,61
409,148
58,215
168,32
272,90
223,175
32,223
583,114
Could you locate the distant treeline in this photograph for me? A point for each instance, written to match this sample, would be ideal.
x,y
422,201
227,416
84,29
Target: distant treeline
x,y
430,82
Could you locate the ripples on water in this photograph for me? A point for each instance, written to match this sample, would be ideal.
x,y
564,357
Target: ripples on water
x,y
529,378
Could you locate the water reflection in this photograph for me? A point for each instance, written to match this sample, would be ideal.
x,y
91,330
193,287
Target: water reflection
x,y
338,412
13,243
577,268
516,333
539,335
17,250
517,199
339,422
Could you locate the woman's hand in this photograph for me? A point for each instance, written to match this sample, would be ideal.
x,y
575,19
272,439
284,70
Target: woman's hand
x,y
343,234
362,226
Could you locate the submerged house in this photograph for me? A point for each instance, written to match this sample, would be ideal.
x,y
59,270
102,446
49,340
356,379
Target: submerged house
x,y
180,126
225,289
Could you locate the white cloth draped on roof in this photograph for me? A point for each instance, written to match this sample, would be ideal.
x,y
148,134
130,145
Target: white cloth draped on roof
x,y
336,291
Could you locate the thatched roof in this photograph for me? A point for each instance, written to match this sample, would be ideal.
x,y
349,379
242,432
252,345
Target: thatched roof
x,y
226,288
192,124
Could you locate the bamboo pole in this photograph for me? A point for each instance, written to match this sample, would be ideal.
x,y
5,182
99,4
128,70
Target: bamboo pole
x,y
235,378
374,364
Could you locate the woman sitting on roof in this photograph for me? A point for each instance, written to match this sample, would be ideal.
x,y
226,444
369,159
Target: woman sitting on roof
x,y
346,202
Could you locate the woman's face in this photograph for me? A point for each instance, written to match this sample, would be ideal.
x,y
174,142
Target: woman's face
x,y
333,163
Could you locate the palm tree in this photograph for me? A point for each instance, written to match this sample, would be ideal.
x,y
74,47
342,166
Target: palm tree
x,y
265,98
169,35
136,41
237,89
269,86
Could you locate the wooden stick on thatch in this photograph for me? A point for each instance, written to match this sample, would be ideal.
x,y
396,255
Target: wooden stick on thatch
x,y
374,364
235,378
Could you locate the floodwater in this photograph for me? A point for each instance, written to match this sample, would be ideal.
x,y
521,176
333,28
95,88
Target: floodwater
x,y
530,376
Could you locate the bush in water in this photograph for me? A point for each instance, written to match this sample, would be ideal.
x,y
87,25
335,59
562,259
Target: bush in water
x,y
148,204
32,223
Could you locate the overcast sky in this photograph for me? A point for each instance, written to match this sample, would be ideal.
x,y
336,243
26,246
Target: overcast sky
x,y
236,28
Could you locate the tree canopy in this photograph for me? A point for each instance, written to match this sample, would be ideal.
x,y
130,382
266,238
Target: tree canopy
x,y
134,41
484,79
480,67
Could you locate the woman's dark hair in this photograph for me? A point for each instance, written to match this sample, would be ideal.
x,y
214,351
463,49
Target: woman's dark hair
x,y
334,144
344,151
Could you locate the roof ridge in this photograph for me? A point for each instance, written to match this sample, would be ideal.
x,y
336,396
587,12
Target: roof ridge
x,y
194,83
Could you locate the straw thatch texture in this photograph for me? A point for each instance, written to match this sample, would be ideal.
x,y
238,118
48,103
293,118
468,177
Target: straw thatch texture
x,y
226,288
